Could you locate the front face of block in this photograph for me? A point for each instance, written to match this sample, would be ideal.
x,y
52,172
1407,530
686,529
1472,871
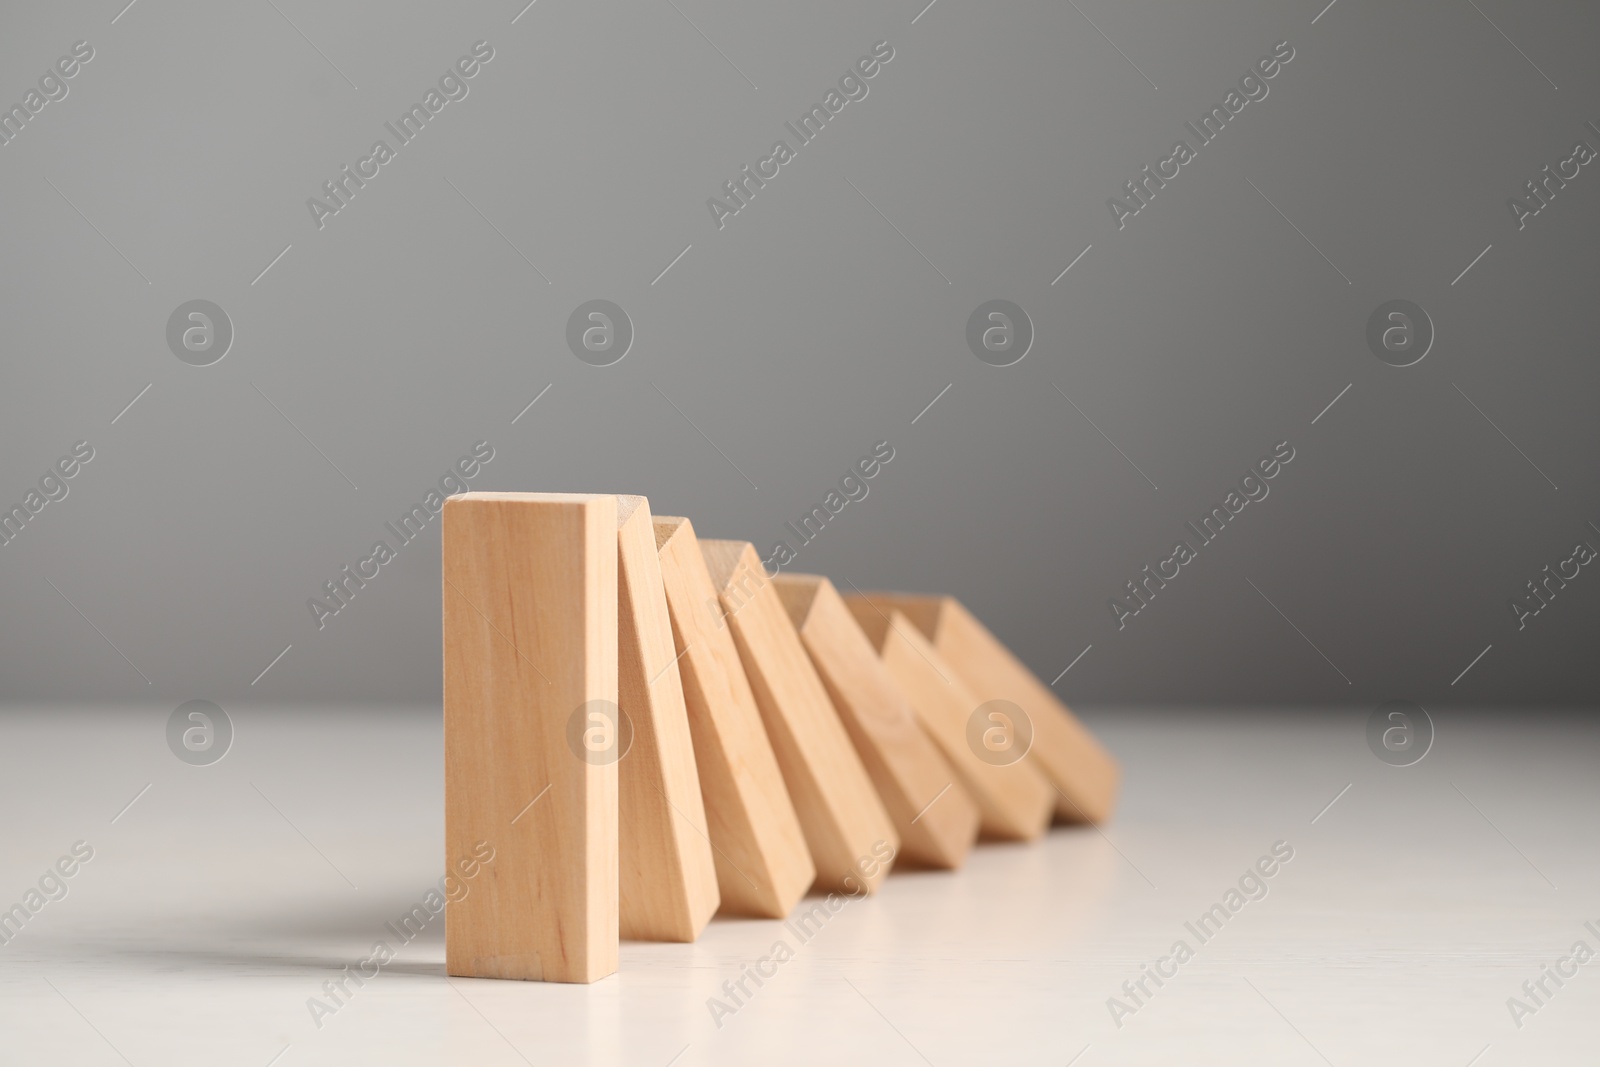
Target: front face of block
x,y
847,829
530,669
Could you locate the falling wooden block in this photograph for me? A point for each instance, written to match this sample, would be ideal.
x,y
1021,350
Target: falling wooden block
x,y
667,876
936,819
763,866
851,837
1083,772
530,665
1014,800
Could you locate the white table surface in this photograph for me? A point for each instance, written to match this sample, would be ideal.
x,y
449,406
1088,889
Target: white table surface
x,y
221,900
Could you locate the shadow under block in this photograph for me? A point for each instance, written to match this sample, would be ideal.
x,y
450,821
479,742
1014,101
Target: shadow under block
x,y
1084,773
936,819
762,863
530,640
668,880
1014,800
851,836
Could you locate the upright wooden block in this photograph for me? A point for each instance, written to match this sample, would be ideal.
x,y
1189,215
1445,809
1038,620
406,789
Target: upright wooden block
x,y
851,837
763,866
668,878
1014,800
530,662
936,819
1084,773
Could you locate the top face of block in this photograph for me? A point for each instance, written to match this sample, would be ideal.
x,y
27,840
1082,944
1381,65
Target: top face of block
x,y
734,566
667,527
532,498
799,593
874,621
627,506
895,635
926,612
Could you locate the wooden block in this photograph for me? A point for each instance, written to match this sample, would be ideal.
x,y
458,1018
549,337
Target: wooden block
x,y
851,837
530,652
763,866
667,877
1084,773
1014,800
936,819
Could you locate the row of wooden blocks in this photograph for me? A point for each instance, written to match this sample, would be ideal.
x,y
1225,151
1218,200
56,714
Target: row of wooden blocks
x,y
647,729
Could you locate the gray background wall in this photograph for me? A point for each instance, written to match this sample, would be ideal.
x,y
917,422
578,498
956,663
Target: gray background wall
x,y
822,319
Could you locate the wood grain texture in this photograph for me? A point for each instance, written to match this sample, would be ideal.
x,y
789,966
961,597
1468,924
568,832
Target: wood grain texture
x,y
1014,800
762,863
530,640
1085,775
668,880
846,827
936,819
